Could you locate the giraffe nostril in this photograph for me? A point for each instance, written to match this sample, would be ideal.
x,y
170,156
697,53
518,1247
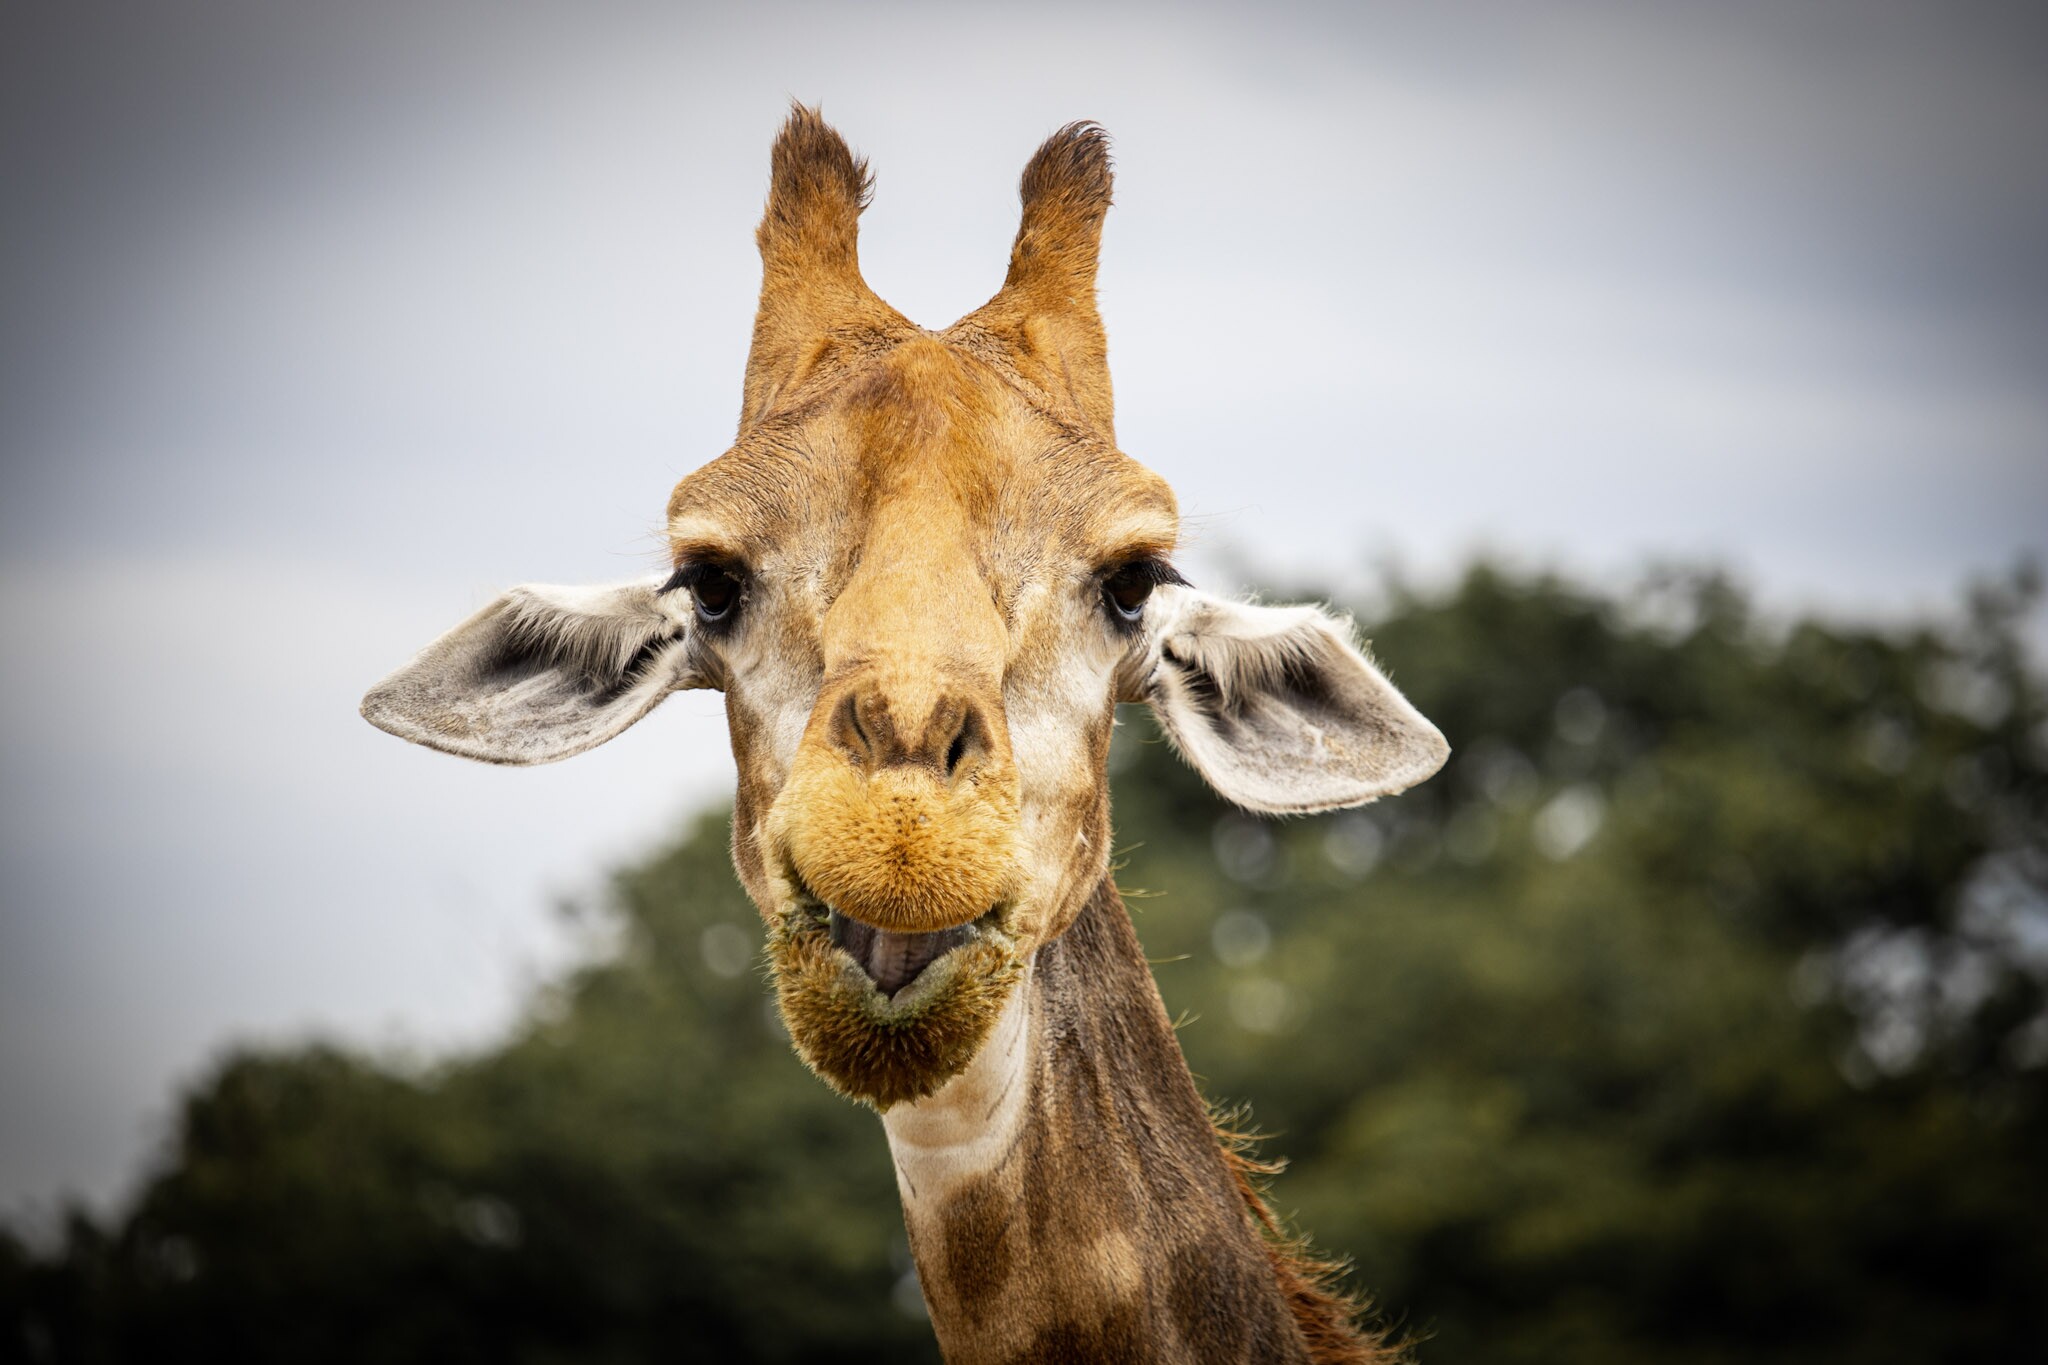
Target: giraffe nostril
x,y
852,734
953,737
970,737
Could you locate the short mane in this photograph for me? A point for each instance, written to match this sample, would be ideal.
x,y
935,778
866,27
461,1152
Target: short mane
x,y
1335,1323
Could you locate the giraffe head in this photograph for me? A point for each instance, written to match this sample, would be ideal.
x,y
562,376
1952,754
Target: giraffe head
x,y
923,577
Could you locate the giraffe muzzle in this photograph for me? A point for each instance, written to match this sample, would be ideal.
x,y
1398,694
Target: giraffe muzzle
x,y
899,850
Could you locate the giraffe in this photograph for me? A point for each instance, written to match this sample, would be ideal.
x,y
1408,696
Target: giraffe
x,y
923,577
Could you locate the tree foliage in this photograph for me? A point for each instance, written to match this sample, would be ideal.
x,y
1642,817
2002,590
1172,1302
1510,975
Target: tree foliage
x,y
1698,1011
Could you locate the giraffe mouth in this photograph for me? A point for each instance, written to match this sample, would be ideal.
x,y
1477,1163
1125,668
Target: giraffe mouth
x,y
887,1017
892,961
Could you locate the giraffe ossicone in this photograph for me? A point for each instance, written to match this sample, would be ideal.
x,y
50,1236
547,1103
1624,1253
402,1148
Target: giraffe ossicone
x,y
924,576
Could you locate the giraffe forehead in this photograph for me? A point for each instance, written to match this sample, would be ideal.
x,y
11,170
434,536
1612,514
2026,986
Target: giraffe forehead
x,y
933,446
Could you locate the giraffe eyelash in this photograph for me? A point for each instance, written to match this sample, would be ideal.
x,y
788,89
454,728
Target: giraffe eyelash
x,y
1151,569
694,572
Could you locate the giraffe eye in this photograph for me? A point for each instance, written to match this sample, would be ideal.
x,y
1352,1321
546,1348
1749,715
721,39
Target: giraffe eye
x,y
1126,592
717,593
1127,587
714,588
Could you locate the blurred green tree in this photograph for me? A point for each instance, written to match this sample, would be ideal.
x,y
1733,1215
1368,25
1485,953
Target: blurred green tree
x,y
1697,1012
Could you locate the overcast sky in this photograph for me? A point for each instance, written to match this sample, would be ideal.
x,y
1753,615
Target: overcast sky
x,y
320,325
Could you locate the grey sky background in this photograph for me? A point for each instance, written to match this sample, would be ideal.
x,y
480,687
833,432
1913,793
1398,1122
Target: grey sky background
x,y
318,325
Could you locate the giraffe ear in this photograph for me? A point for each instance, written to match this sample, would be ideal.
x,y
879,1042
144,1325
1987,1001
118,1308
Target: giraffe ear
x,y
542,673
1276,706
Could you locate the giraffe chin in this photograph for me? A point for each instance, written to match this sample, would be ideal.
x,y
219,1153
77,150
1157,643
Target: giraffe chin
x,y
885,1049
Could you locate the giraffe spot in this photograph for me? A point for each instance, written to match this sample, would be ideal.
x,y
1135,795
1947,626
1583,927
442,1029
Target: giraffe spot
x,y
1215,1299
1118,1335
977,1226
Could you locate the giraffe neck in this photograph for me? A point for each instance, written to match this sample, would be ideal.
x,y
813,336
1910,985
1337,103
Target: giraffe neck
x,y
1066,1196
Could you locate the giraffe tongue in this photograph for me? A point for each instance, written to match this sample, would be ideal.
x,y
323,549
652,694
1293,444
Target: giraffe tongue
x,y
893,960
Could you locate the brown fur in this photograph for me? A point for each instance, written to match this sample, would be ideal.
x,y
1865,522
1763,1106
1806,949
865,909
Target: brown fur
x,y
1122,1157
